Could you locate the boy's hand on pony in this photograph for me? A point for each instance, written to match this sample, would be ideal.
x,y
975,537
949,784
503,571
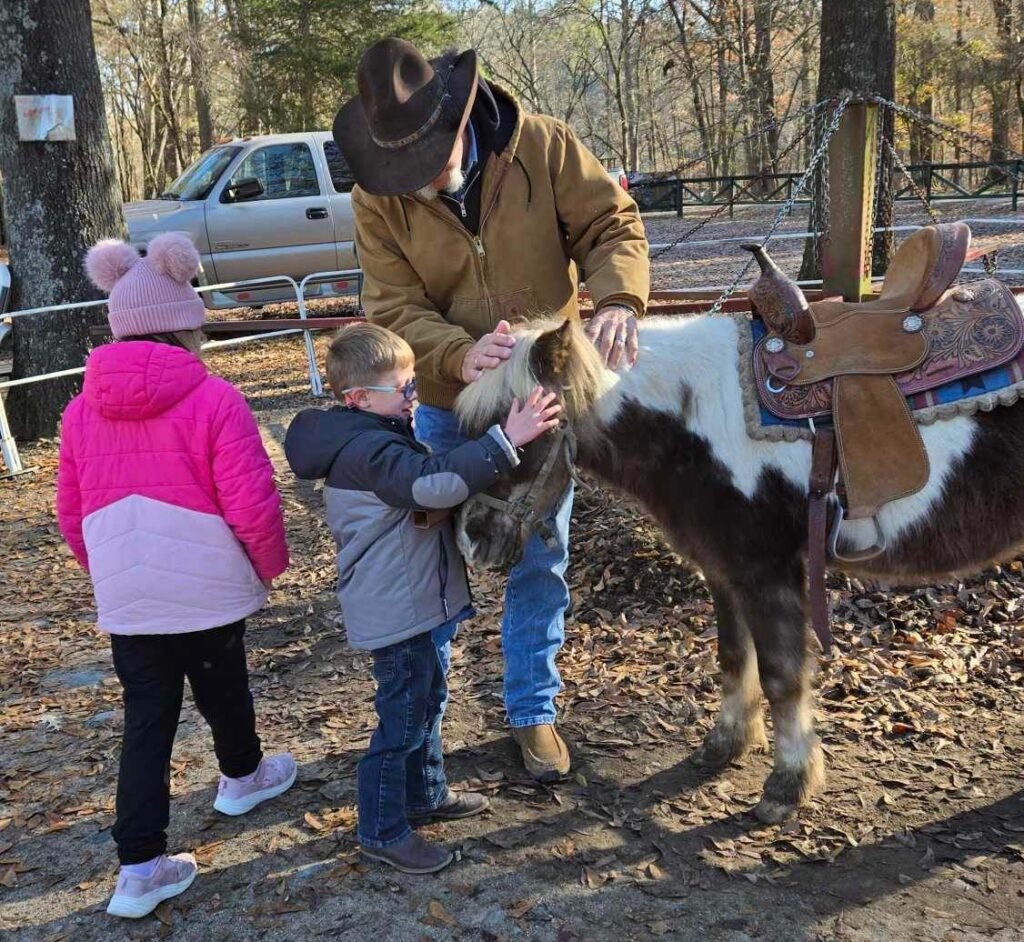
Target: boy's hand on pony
x,y
533,418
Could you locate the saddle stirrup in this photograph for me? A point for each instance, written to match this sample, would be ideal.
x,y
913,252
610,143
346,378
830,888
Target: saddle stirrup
x,y
860,556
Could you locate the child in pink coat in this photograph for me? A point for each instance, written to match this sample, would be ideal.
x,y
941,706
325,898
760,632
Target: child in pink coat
x,y
166,496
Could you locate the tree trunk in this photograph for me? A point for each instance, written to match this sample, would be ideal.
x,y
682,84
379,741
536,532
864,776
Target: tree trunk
x,y
858,56
958,80
699,113
763,80
172,142
238,13
920,138
60,198
200,78
1001,85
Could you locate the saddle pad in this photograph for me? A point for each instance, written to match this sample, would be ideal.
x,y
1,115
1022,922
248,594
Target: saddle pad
x,y
973,329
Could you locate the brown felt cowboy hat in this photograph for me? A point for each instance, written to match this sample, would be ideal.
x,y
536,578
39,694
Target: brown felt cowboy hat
x,y
398,132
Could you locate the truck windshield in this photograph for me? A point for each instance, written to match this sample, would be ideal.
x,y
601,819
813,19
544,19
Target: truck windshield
x,y
198,179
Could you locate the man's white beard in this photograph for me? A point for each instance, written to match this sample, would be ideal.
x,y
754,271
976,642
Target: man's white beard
x,y
455,181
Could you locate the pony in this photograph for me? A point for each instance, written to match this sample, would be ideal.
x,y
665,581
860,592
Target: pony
x,y
671,432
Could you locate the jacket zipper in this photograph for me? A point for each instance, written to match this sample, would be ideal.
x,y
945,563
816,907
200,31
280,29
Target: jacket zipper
x,y
477,239
442,574
465,191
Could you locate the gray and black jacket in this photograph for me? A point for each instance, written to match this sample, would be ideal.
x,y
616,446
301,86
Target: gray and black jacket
x,y
396,579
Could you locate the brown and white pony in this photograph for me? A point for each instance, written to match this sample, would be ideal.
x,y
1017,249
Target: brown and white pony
x,y
671,432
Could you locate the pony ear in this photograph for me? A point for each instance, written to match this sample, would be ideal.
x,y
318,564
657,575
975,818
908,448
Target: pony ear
x,y
549,357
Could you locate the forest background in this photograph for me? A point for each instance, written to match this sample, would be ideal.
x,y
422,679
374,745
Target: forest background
x,y
647,84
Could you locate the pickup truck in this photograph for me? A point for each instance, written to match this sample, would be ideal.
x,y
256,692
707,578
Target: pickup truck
x,y
275,204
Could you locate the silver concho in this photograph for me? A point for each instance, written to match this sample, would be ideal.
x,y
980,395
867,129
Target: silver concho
x,y
912,323
963,294
775,345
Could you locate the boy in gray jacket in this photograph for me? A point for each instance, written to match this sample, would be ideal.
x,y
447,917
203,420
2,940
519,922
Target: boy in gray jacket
x,y
401,578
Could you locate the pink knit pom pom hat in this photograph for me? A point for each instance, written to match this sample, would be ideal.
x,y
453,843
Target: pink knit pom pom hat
x,y
150,295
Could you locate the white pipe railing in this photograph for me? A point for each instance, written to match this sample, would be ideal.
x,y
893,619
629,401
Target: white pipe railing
x,y
315,382
8,445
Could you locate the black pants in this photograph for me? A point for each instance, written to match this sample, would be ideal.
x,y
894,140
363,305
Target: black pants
x,y
152,670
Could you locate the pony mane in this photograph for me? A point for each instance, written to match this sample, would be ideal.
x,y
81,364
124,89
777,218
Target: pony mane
x,y
490,397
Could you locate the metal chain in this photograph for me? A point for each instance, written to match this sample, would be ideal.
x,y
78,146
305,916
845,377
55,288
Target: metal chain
x,y
693,230
823,224
880,152
791,146
768,125
932,215
787,207
922,118
957,144
930,128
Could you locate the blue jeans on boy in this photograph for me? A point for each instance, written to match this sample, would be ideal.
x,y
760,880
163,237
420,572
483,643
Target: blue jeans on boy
x,y
536,596
402,772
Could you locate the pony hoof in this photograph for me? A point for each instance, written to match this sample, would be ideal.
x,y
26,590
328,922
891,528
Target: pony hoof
x,y
789,788
773,812
724,745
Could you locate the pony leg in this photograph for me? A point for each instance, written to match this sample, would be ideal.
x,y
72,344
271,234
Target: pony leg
x,y
740,723
780,639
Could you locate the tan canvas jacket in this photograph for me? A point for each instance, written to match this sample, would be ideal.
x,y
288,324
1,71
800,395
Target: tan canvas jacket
x,y
547,206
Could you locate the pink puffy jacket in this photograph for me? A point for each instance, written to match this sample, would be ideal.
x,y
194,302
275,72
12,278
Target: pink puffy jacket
x,y
165,493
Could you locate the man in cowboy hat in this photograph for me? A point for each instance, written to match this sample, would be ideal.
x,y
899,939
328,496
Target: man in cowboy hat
x,y
471,213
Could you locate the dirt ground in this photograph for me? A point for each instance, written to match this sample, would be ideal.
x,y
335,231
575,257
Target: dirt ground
x,y
919,834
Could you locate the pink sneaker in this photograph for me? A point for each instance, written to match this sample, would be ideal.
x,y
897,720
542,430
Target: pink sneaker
x,y
273,777
136,896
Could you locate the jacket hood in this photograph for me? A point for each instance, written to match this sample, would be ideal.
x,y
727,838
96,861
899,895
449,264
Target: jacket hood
x,y
495,116
139,379
316,437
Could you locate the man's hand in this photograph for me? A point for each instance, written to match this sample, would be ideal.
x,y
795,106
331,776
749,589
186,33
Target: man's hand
x,y
613,332
488,352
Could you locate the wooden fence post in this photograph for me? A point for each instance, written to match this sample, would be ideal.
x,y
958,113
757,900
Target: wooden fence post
x,y
846,255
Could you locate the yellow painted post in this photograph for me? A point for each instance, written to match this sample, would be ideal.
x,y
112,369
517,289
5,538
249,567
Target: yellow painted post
x,y
846,253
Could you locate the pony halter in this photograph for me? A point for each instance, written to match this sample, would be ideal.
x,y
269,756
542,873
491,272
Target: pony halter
x,y
526,509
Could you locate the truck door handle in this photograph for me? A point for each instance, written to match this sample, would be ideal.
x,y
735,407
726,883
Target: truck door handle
x,y
316,212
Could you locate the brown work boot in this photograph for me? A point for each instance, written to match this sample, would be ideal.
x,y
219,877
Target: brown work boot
x,y
458,805
545,754
413,855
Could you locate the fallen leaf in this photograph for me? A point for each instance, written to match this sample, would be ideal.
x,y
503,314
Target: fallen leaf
x,y
437,915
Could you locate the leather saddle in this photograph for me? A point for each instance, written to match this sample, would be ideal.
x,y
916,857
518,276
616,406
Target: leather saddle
x,y
852,366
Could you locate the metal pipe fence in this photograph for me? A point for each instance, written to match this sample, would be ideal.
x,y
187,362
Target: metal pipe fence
x,y
8,445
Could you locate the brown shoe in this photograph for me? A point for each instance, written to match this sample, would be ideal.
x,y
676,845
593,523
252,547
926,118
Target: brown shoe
x,y
413,855
545,754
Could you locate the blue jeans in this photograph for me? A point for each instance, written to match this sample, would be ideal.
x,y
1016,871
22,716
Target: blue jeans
x,y
402,772
536,596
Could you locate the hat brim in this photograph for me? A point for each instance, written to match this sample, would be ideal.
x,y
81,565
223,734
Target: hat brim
x,y
385,171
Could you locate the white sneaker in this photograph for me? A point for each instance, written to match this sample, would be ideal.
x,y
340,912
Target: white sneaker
x,y
274,776
136,896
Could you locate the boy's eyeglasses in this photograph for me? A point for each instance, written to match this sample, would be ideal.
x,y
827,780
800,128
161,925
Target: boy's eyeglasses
x,y
408,391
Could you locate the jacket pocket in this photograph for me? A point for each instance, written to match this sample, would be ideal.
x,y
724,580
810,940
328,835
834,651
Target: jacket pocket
x,y
479,315
516,306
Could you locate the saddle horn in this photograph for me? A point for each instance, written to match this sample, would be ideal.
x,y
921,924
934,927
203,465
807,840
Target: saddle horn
x,y
778,300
